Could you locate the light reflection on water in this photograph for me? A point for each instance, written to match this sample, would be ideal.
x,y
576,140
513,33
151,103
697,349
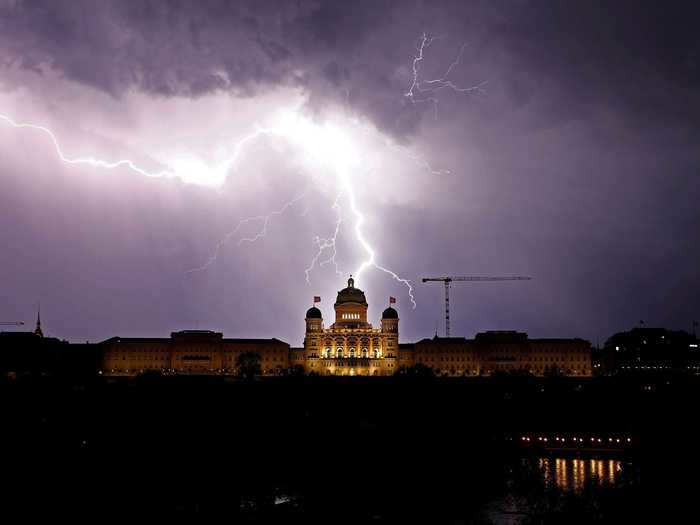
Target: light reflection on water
x,y
573,473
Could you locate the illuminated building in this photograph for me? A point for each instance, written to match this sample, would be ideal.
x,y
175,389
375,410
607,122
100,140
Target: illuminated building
x,y
504,352
452,356
189,352
351,345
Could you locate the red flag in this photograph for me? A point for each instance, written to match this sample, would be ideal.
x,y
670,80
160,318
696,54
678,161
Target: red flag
x,y
317,299
392,300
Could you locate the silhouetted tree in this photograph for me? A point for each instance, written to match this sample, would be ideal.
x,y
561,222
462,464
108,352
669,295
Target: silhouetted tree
x,y
417,370
149,374
553,371
520,372
295,371
248,365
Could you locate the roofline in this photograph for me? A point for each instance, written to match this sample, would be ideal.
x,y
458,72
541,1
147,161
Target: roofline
x,y
117,339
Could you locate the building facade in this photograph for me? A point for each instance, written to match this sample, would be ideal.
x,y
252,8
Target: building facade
x,y
351,345
497,352
197,352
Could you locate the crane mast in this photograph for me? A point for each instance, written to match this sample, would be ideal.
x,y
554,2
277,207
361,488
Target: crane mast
x,y
470,278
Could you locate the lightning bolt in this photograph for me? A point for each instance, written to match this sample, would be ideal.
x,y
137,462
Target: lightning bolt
x,y
420,160
327,244
424,90
219,171
312,139
262,232
89,161
325,144
359,235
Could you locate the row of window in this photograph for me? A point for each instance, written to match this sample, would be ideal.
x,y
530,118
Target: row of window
x,y
351,352
350,340
434,358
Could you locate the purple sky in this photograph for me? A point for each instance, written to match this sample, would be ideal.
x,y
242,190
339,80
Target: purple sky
x,y
577,162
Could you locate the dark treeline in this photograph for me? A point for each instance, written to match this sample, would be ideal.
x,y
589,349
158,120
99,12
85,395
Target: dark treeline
x,y
348,450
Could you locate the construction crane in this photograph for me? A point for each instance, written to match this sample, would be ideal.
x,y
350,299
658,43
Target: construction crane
x,y
11,323
473,278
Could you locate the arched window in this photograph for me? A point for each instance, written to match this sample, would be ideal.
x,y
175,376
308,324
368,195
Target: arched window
x,y
352,351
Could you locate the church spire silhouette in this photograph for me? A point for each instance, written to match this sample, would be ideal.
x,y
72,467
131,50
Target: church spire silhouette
x,y
37,330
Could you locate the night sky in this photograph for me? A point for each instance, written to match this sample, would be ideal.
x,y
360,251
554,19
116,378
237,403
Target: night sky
x,y
574,159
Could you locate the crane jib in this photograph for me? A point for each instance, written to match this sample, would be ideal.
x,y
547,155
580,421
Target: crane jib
x,y
472,278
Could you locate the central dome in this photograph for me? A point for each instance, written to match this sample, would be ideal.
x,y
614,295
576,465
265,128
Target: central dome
x,y
351,294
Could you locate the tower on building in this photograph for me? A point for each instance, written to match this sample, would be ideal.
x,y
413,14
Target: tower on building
x,y
390,321
314,320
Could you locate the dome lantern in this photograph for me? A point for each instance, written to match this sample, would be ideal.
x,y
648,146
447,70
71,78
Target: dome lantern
x,y
351,295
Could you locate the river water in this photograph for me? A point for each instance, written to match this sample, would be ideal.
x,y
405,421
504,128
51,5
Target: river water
x,y
563,474
568,473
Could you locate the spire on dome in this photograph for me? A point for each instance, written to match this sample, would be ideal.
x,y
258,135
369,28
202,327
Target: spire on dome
x,y
351,282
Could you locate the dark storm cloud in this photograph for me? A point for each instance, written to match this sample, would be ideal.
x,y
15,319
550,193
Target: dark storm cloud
x,y
354,52
183,48
637,53
579,164
168,48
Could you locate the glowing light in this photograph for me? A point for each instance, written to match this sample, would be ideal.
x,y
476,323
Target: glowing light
x,y
323,143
